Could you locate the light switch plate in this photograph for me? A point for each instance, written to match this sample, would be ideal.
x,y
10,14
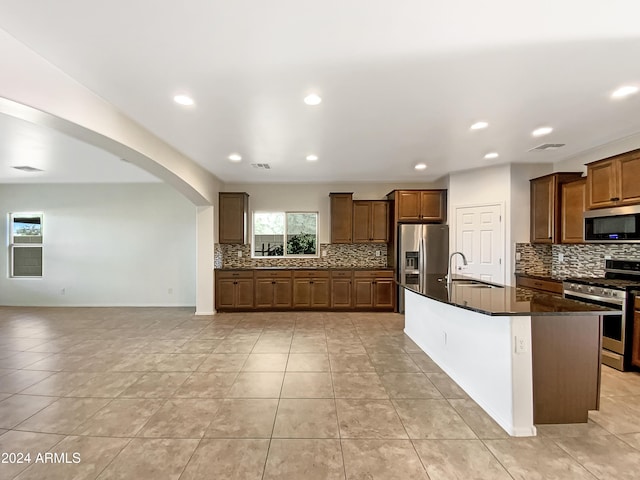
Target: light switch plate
x,y
239,253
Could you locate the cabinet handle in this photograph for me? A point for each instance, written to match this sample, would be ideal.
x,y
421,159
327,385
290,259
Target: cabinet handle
x,y
235,283
615,199
273,283
311,281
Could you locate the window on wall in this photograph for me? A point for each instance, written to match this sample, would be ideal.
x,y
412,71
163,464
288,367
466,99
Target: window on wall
x,y
25,244
285,234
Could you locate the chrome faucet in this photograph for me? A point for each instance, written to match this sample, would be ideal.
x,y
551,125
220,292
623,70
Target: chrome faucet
x,y
464,260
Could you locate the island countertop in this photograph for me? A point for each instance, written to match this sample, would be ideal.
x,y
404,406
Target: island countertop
x,y
502,300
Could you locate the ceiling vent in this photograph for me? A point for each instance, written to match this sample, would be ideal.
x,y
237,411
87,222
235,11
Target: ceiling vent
x,y
27,168
547,146
261,166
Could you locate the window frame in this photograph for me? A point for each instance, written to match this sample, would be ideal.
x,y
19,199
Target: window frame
x,y
13,245
285,254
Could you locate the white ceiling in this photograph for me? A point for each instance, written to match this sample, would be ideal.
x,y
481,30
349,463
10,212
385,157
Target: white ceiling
x,y
401,81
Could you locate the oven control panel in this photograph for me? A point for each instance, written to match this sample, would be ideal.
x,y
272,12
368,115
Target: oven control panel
x,y
594,293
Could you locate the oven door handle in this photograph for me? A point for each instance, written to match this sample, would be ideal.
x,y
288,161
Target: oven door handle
x,y
568,293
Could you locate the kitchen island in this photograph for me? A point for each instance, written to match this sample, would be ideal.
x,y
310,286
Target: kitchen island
x,y
525,357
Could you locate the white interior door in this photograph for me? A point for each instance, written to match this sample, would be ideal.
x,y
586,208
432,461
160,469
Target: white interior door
x,y
479,234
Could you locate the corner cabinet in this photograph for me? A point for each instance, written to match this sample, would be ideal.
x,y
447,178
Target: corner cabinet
x,y
234,290
373,289
370,221
613,182
545,206
341,217
233,210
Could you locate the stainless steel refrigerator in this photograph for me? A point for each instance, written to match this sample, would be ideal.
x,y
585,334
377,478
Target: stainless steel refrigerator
x,y
422,250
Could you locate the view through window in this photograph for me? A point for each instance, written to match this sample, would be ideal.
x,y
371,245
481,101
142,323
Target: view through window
x,y
25,244
284,234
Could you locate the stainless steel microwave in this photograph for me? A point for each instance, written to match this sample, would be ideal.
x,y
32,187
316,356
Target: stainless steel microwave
x,y
613,225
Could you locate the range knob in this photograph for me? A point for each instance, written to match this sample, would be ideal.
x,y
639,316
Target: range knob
x,y
590,289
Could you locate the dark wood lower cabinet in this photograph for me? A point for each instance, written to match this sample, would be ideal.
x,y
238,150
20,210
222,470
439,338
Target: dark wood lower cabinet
x,y
341,289
273,293
311,290
635,351
374,290
234,290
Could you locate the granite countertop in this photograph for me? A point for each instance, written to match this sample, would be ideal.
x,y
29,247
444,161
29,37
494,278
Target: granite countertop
x,y
503,300
303,268
550,278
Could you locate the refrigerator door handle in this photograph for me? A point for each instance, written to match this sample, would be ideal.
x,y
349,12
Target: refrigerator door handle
x,y
422,251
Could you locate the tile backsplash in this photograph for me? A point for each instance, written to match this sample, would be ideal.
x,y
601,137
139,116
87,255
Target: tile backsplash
x,y
333,255
580,260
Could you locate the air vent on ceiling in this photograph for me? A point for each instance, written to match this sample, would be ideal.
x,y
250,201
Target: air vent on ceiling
x,y
547,146
262,166
27,168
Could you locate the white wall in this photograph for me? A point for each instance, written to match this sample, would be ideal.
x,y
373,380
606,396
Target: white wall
x,y
106,245
576,163
314,197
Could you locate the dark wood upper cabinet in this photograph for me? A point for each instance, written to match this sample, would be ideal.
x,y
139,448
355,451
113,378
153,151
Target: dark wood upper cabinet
x,y
370,221
233,210
613,181
341,217
545,206
572,207
420,206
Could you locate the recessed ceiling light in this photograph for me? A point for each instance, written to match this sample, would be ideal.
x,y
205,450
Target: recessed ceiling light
x,y
491,155
420,166
479,125
312,158
235,157
539,132
624,91
312,99
185,100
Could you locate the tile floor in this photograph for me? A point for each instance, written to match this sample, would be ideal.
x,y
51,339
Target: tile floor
x,y
143,393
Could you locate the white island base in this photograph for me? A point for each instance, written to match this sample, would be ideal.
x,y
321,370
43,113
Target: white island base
x,y
478,352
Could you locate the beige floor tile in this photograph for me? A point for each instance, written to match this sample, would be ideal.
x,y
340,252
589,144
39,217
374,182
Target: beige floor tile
x,y
358,385
567,429
107,385
536,459
309,345
307,385
309,459
632,439
306,418
447,387
343,346
266,362
426,364
224,362
63,416
22,359
369,419
256,385
93,453
179,362
156,459
604,456
615,383
21,379
308,362
243,418
24,443
156,385
459,459
409,385
382,460
345,363
480,422
432,419
17,408
59,384
618,414
241,345
198,346
394,363
181,418
228,459
206,385
272,346
123,417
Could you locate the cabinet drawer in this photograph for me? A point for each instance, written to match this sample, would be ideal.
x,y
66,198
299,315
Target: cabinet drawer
x,y
310,274
224,274
273,273
546,285
373,273
341,274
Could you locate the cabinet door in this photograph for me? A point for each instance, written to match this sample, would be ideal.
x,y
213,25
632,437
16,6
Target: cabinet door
x,y
379,222
225,293
635,351
361,222
264,292
573,204
232,213
341,292
341,217
282,293
629,169
432,206
363,292
602,184
244,293
542,209
383,293
408,205
302,292
320,293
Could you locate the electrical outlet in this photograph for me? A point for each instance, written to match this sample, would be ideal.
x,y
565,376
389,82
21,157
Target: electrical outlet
x,y
377,253
444,337
170,291
239,253
561,257
518,256
324,253
63,291
521,345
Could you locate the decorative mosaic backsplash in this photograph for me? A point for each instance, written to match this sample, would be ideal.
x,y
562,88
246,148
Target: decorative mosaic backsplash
x,y
579,260
337,255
